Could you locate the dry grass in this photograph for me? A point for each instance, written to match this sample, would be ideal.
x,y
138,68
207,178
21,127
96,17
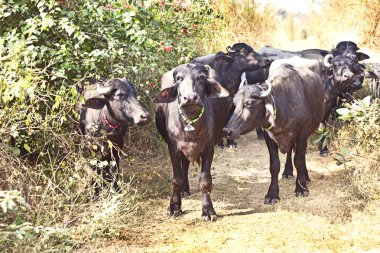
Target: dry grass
x,y
356,20
239,21
330,220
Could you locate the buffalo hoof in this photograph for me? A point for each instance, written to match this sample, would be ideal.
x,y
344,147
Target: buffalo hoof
x,y
232,145
302,193
174,211
209,215
185,194
271,201
287,176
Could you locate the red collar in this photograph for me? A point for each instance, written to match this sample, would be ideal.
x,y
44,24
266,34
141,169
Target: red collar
x,y
109,123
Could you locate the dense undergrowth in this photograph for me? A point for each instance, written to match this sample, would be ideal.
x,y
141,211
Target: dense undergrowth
x,y
48,47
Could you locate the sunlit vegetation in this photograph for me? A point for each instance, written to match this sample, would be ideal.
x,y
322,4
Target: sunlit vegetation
x,y
49,47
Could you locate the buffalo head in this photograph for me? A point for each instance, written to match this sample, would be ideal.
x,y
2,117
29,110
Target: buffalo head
x,y
243,57
349,49
342,69
253,108
347,72
192,84
118,97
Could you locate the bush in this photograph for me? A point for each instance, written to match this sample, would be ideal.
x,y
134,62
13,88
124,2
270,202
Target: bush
x,y
49,47
359,141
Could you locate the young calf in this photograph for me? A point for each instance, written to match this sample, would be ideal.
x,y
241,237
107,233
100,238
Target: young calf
x,y
109,109
193,108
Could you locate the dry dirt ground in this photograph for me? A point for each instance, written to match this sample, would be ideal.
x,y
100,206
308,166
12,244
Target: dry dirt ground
x,y
326,221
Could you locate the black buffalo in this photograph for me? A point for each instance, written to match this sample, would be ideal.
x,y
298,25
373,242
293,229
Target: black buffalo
x,y
345,56
291,109
191,121
230,66
192,110
230,70
109,109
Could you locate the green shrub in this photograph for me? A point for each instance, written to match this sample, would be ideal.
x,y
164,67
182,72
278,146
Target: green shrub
x,y
359,142
47,48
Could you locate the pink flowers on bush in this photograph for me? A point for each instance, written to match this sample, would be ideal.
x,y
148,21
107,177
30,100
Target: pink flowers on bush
x,y
168,49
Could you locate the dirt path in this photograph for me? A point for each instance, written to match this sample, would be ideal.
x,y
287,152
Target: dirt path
x,y
324,222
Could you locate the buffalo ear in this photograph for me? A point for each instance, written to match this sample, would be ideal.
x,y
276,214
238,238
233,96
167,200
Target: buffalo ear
x,y
96,101
362,56
167,95
359,70
215,90
270,111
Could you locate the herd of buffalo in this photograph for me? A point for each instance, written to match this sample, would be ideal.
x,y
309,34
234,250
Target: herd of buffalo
x,y
289,94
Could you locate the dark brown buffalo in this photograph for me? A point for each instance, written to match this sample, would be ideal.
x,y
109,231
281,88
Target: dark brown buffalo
x,y
185,91
229,67
291,109
193,108
336,84
109,109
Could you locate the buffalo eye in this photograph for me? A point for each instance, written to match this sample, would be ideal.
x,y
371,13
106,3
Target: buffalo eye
x,y
247,103
122,96
179,79
202,78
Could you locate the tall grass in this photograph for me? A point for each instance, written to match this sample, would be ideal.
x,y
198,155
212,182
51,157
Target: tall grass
x,y
238,21
357,20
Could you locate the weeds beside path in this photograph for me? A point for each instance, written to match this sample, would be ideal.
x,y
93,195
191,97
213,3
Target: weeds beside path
x,y
330,220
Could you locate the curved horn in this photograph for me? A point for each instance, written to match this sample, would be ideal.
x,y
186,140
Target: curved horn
x,y
266,93
230,50
102,90
243,81
327,59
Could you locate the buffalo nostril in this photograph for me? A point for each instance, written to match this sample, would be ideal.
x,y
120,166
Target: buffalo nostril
x,y
144,116
191,97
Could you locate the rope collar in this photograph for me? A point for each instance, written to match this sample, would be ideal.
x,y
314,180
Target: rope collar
x,y
188,121
109,123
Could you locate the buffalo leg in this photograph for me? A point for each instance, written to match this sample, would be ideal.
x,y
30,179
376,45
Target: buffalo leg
x,y
185,169
288,171
96,185
205,183
323,150
220,143
300,164
260,133
273,192
110,172
177,182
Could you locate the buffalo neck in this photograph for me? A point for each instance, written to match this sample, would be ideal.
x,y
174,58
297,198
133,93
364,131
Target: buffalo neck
x,y
109,120
331,92
229,75
191,112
